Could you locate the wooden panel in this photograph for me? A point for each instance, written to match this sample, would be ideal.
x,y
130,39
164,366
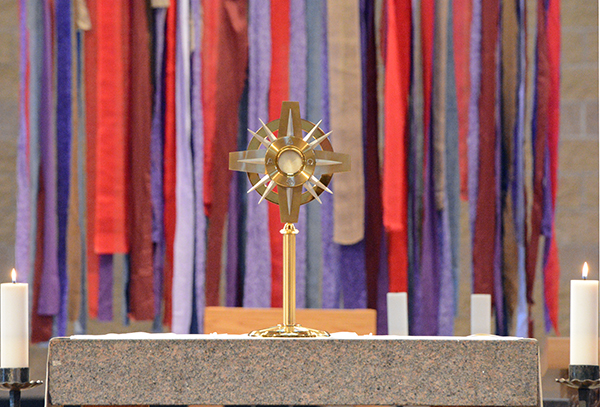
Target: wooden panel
x,y
555,353
243,320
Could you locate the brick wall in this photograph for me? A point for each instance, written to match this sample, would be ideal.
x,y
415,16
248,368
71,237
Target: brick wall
x,y
577,200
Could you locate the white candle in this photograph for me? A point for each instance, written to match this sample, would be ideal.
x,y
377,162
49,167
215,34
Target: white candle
x,y
584,320
481,314
397,313
14,324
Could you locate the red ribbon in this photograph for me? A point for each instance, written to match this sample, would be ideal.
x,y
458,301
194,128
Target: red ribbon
x,y
395,177
169,160
278,93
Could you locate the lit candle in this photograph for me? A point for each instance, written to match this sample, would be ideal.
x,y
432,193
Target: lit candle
x,y
584,320
397,313
481,314
14,324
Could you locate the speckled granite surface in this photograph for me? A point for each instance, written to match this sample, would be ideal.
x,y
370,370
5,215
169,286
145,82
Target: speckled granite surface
x,y
363,370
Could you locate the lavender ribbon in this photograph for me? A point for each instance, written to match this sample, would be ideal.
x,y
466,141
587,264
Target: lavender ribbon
x,y
24,212
257,280
298,78
156,163
501,326
198,148
105,272
473,133
331,251
452,161
314,252
183,258
518,183
49,300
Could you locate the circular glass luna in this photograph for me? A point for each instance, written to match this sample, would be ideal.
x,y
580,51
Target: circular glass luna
x,y
290,162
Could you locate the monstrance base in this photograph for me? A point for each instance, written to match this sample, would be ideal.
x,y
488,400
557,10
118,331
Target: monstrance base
x,y
294,331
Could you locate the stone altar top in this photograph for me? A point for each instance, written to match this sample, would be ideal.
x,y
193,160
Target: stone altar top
x,y
345,369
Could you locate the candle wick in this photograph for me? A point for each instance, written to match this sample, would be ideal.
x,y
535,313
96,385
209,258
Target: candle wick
x,y
585,277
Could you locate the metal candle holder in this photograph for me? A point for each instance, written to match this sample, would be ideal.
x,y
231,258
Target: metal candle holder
x,y
584,378
14,380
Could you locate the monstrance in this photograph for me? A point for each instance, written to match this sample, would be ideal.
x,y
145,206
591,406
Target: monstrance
x,y
290,162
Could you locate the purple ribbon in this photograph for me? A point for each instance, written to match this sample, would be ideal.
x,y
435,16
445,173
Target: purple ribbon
x,y
233,213
518,182
105,273
198,147
331,251
257,280
63,146
24,213
156,162
353,275
452,161
49,295
473,133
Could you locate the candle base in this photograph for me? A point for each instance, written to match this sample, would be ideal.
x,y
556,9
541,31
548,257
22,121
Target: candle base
x,y
14,380
584,378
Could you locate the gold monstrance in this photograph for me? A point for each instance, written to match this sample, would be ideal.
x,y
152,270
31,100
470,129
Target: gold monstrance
x,y
290,162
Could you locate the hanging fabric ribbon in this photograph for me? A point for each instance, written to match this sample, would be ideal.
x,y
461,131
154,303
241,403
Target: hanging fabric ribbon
x,y
485,220
111,157
395,164
373,204
453,151
441,169
314,250
461,16
551,262
169,157
23,237
140,284
278,92
415,168
346,122
426,322
183,260
64,129
156,162
225,48
80,325
518,183
198,150
257,280
509,78
331,286
297,92
49,288
75,255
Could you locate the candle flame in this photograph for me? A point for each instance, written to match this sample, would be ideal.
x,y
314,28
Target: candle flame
x,y
13,275
585,270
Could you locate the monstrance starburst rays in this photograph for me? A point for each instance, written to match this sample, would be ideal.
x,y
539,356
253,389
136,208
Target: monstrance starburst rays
x,y
291,162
